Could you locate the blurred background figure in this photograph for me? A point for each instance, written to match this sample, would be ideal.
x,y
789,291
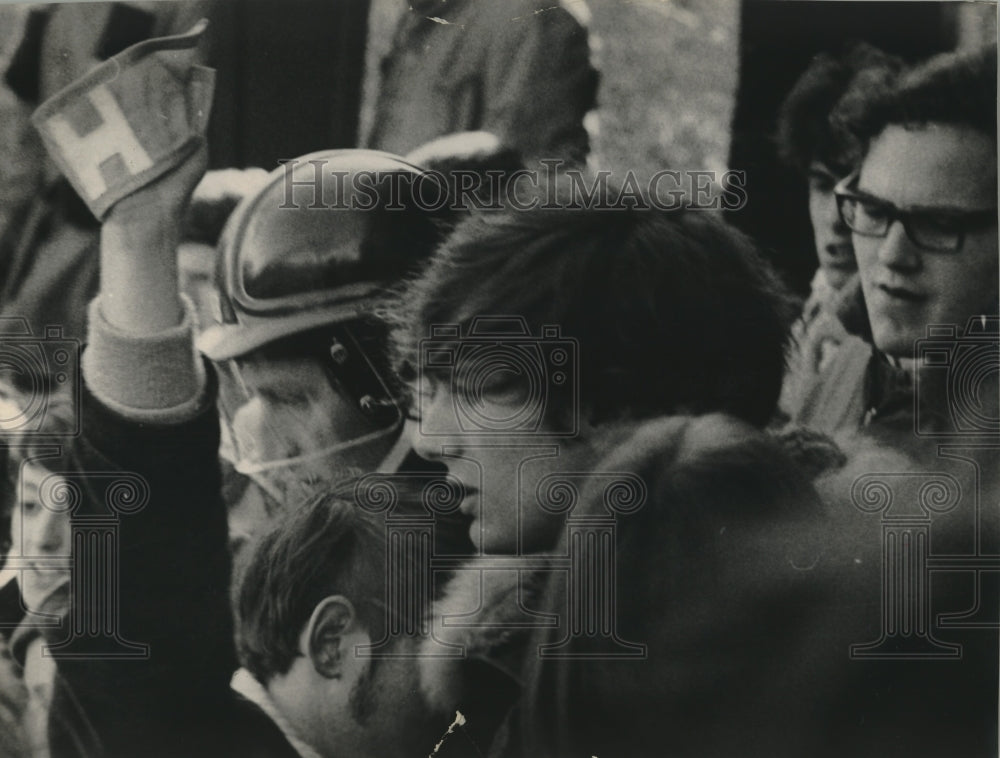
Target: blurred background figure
x,y
520,70
48,250
20,167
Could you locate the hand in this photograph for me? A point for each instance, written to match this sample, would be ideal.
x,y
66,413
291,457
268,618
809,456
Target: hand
x,y
139,240
166,198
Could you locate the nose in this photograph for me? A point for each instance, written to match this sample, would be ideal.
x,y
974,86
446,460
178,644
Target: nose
x,y
897,251
833,217
437,426
263,432
48,533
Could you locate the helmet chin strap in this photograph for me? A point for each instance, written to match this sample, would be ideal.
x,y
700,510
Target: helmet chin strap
x,y
258,471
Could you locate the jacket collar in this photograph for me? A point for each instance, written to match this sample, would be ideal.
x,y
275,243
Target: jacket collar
x,y
244,683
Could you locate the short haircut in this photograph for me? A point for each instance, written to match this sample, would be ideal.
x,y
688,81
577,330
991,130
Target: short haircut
x,y
808,128
958,88
327,547
673,311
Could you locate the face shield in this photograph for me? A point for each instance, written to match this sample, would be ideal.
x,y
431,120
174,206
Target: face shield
x,y
306,396
307,412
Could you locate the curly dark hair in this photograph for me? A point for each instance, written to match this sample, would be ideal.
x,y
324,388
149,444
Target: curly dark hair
x,y
672,311
957,88
808,126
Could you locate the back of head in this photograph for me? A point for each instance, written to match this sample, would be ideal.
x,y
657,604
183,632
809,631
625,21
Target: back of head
x,y
671,311
327,547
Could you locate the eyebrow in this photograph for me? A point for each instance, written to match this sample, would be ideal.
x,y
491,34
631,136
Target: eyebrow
x,y
953,210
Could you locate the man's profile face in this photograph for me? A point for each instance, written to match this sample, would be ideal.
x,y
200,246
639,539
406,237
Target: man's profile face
x,y
294,430
292,410
830,235
934,167
501,476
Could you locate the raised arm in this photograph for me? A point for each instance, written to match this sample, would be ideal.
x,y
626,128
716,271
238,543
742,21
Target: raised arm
x,y
150,431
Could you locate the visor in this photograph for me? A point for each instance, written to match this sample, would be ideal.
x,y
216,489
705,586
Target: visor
x,y
306,413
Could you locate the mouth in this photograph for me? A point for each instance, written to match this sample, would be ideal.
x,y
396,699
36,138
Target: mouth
x,y
47,581
470,502
901,294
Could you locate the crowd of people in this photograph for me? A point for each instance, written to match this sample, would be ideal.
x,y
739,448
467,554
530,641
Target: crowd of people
x,y
539,480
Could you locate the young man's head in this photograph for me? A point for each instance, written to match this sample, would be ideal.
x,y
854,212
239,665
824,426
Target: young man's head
x,y
530,332
923,204
311,592
810,141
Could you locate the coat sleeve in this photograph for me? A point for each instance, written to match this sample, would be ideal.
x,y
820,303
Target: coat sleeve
x,y
166,590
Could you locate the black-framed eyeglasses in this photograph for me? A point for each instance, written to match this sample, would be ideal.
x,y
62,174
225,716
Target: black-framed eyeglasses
x,y
939,230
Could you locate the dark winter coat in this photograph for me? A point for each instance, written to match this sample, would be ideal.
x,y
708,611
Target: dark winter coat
x,y
173,572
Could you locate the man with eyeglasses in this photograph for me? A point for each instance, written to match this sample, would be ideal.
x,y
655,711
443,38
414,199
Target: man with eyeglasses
x,y
922,210
810,142
918,410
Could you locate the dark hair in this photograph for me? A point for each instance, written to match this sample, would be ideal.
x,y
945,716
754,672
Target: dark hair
x,y
808,127
672,311
329,546
958,88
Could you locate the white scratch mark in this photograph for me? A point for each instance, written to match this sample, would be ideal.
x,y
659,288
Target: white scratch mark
x,y
459,721
807,567
536,12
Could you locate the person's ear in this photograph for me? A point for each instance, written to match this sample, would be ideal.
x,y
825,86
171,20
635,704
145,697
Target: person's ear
x,y
325,636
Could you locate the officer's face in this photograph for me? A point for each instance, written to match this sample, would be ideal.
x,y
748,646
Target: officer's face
x,y
295,430
936,167
292,410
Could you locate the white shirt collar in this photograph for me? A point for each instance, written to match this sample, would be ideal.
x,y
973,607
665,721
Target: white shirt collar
x,y
246,685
